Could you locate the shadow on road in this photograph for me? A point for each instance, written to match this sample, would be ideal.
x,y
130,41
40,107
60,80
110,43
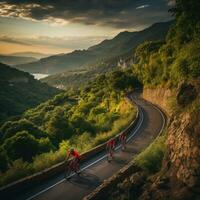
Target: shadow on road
x,y
130,149
86,180
119,161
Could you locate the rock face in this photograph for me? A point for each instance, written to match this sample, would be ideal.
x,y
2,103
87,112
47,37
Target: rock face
x,y
159,96
184,148
186,94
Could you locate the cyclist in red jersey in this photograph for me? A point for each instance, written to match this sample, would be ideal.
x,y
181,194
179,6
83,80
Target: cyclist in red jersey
x,y
110,148
77,158
122,139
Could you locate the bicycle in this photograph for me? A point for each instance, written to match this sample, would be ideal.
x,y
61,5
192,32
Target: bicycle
x,y
72,167
110,155
110,149
123,142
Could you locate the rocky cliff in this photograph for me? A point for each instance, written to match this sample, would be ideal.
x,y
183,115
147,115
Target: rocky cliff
x,y
159,96
179,176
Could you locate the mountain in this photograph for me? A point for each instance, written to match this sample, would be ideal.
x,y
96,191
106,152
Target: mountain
x,y
20,91
124,43
30,54
16,60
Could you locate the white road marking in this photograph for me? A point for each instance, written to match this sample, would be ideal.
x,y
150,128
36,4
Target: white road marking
x,y
96,161
164,120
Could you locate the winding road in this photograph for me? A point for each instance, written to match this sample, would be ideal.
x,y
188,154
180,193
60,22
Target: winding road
x,y
151,123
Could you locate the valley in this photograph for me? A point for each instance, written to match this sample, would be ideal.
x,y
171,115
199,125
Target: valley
x,y
51,104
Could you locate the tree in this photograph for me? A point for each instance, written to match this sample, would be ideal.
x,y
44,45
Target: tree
x,y
9,129
45,145
22,145
58,127
81,125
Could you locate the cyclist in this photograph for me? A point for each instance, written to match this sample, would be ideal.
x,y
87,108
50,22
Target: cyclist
x,y
76,160
122,139
110,148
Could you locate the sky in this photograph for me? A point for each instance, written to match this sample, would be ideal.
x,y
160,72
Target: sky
x,y
61,26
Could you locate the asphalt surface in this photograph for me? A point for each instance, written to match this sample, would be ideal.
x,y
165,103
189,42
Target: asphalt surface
x,y
97,169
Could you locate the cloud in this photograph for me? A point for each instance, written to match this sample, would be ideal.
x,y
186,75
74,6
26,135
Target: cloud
x,y
142,6
76,42
113,13
7,39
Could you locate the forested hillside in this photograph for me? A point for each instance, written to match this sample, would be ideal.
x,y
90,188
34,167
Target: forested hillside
x,y
20,91
81,119
72,79
121,45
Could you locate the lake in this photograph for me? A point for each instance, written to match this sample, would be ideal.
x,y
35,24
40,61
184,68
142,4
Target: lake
x,y
39,76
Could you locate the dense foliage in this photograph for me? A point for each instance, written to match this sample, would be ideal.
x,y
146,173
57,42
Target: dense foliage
x,y
83,119
20,91
177,58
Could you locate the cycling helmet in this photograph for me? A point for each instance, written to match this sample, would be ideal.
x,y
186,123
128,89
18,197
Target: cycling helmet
x,y
71,150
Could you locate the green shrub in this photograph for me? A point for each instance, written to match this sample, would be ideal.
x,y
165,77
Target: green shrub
x,y
117,127
82,142
22,145
151,158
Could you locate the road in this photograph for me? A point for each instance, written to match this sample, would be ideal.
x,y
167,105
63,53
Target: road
x,y
97,169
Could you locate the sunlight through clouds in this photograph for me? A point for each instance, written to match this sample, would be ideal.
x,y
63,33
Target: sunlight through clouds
x,y
56,21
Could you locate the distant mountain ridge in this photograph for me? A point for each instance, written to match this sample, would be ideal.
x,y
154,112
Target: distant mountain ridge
x,y
16,60
124,43
30,54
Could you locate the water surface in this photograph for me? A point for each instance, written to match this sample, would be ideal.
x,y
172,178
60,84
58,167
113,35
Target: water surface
x,y
39,76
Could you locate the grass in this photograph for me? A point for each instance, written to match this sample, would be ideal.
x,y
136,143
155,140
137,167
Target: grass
x,y
150,160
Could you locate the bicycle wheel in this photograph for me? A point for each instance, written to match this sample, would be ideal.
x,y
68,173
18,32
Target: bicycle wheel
x,y
109,157
123,146
78,168
68,172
